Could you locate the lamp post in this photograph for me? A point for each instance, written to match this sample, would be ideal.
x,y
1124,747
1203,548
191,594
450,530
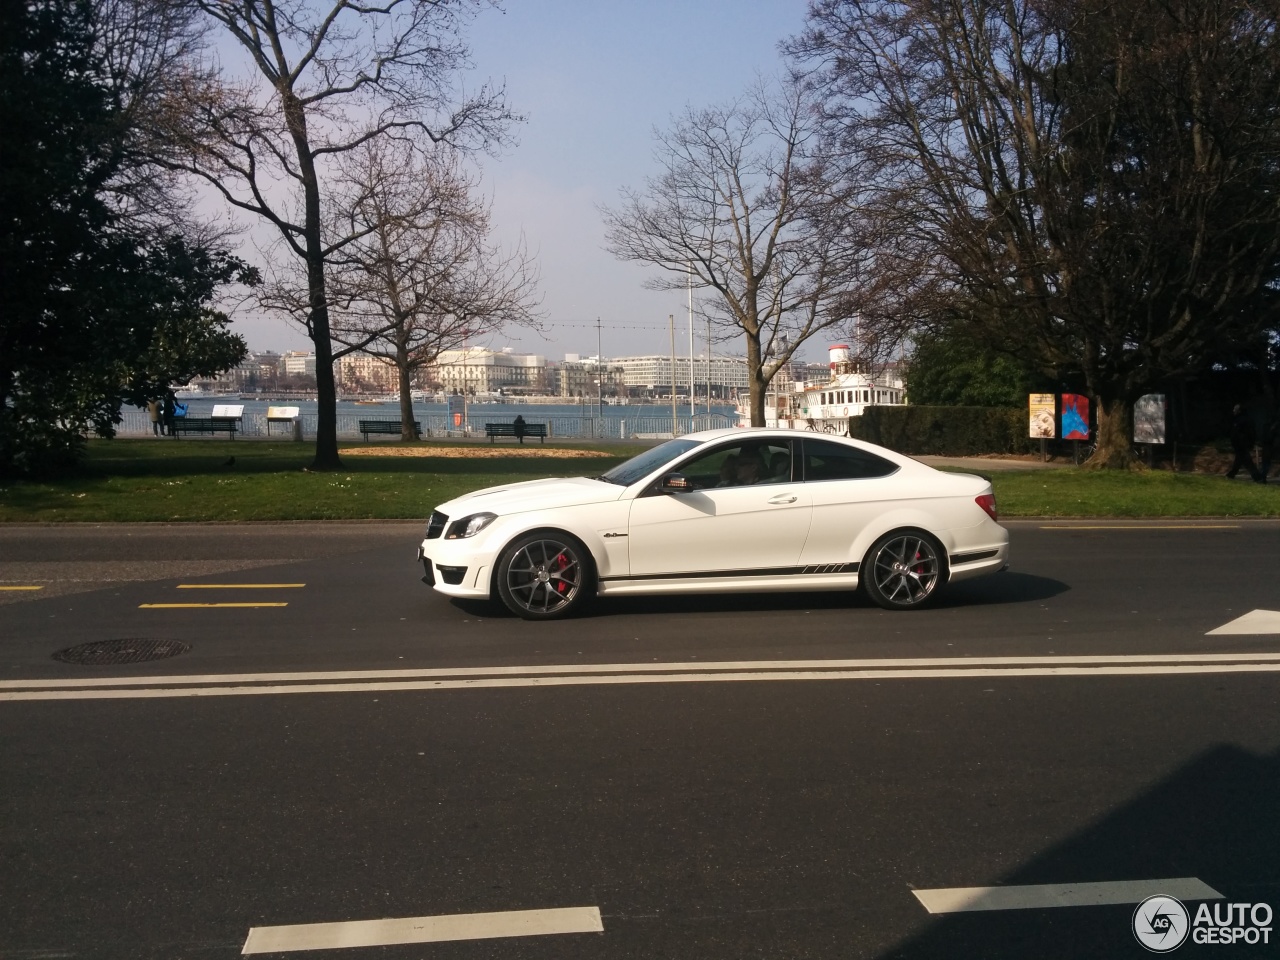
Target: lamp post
x,y
671,322
693,393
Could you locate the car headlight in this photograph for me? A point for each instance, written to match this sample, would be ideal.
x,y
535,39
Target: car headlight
x,y
469,526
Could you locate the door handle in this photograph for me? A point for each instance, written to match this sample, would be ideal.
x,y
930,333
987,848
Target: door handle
x,y
784,498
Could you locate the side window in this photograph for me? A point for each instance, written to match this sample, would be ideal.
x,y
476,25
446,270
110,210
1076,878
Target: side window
x,y
824,460
740,465
709,469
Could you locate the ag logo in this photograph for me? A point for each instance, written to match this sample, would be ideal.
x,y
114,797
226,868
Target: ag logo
x,y
1161,924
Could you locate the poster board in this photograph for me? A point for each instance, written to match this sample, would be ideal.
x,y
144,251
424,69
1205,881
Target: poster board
x,y
281,413
1043,420
235,410
1149,419
1075,417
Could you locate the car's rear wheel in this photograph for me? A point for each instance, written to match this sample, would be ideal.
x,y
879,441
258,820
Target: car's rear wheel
x,y
903,570
545,576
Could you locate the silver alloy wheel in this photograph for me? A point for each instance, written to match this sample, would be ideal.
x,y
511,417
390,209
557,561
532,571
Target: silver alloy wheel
x,y
905,568
542,578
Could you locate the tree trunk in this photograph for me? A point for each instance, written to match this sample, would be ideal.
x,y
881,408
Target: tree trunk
x,y
326,457
407,431
755,382
1115,436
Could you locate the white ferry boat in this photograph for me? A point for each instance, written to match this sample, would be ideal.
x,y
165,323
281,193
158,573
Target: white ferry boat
x,y
825,406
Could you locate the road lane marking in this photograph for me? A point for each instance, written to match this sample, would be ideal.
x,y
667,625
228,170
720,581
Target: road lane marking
x,y
194,606
21,588
239,586
460,926
492,682
712,666
1045,895
1254,623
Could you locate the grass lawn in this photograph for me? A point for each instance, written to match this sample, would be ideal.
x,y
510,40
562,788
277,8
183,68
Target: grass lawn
x,y
1071,492
182,480
156,480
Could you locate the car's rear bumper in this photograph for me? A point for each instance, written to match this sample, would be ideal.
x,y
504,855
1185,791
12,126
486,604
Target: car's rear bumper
x,y
977,561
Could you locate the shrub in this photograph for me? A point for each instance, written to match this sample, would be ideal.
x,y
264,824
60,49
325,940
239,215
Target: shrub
x,y
944,431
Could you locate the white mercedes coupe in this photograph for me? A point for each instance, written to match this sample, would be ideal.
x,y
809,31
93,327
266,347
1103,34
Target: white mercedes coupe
x,y
716,512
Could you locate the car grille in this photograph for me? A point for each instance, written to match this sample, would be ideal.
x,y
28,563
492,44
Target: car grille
x,y
436,525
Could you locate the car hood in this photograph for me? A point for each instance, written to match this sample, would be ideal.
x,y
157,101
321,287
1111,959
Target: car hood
x,y
512,498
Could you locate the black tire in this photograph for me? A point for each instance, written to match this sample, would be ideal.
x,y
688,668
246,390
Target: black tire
x,y
903,570
545,576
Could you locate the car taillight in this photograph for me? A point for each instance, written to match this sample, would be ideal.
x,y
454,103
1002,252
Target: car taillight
x,y
988,503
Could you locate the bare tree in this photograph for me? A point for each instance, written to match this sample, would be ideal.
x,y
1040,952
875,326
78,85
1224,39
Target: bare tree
x,y
151,54
423,276
1090,185
743,208
322,81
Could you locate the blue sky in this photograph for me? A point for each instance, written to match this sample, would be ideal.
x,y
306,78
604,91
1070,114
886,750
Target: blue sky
x,y
594,79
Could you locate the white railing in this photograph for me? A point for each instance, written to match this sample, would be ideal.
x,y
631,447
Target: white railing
x,y
136,423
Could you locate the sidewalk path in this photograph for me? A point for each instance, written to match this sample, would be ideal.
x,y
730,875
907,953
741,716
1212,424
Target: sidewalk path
x,y
993,464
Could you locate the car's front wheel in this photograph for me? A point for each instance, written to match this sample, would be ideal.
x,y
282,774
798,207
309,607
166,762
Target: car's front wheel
x,y
545,576
903,569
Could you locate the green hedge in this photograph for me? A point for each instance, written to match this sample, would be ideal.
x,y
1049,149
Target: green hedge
x,y
944,431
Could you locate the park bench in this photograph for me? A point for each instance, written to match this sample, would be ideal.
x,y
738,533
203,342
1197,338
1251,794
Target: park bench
x,y
228,425
387,426
494,430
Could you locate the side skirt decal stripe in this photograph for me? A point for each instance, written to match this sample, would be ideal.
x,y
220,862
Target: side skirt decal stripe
x,y
813,569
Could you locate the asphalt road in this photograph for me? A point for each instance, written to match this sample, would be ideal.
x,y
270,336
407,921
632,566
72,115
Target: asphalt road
x,y
720,777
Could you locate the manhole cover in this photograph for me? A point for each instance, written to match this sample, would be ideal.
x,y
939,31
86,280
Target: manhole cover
x,y
102,653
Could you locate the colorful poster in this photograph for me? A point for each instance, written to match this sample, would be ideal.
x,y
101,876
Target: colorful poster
x,y
1075,417
1149,419
1043,421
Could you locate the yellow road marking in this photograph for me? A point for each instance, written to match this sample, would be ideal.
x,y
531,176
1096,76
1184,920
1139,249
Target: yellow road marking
x,y
239,586
21,588
1147,526
188,606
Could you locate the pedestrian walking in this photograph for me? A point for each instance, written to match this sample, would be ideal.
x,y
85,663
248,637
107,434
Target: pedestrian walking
x,y
1243,437
519,427
168,410
153,413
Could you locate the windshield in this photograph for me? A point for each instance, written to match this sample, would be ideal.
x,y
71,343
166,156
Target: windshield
x,y
638,467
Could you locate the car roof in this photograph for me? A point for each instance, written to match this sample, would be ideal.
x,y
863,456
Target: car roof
x,y
785,433
764,433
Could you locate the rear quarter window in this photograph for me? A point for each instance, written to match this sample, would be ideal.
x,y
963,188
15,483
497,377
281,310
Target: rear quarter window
x,y
824,460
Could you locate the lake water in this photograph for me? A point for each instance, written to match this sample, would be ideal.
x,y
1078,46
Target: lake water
x,y
618,422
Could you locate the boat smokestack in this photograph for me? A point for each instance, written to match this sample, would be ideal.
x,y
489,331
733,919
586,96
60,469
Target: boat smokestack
x,y
839,359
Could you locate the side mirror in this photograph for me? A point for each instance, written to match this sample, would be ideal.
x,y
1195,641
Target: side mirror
x,y
675,483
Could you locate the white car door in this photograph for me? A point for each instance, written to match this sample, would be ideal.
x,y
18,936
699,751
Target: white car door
x,y
736,520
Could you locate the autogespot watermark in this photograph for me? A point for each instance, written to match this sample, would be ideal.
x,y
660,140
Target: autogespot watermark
x,y
1162,924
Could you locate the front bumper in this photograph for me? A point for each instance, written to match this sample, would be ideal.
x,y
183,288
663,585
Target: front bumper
x,y
453,571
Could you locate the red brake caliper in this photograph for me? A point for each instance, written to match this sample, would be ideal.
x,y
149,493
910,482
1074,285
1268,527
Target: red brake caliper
x,y
562,563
